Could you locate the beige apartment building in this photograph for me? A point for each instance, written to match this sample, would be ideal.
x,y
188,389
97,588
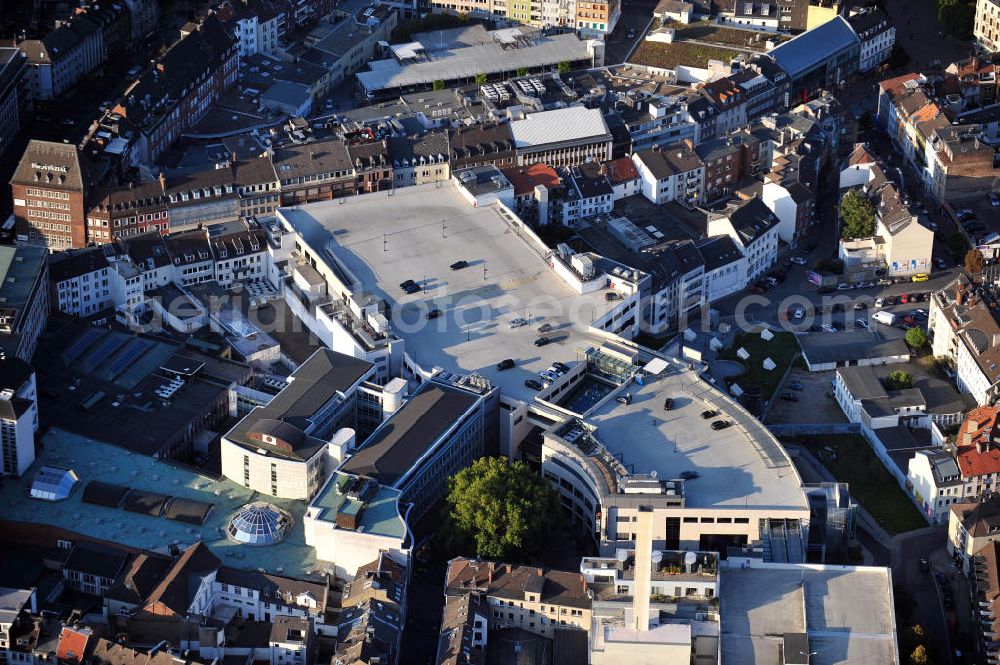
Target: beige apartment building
x,y
986,28
535,599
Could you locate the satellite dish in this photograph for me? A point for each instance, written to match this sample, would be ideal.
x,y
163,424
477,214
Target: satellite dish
x,y
657,556
622,556
690,558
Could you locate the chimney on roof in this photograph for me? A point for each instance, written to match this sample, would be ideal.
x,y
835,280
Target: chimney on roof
x,y
163,182
959,294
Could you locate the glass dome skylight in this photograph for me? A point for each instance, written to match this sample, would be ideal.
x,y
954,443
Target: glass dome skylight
x,y
259,523
53,484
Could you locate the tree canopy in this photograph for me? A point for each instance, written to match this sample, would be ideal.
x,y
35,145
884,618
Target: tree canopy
x,y
899,380
973,262
916,337
858,215
503,509
957,16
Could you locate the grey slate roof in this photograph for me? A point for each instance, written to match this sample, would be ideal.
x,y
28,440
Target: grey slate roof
x,y
395,446
288,415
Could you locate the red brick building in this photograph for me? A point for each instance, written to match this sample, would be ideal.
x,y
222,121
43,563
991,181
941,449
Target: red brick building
x,y
50,188
128,210
177,91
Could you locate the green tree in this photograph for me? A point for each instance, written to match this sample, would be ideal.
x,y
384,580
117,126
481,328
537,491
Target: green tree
x,y
898,58
957,244
973,262
899,380
857,214
438,84
956,15
916,338
522,71
504,509
481,79
919,656
563,67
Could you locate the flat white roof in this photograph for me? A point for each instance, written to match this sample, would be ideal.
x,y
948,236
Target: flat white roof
x,y
569,124
848,613
468,61
742,466
417,233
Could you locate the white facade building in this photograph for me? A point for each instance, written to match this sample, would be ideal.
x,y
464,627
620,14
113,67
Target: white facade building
x,y
81,281
288,448
877,34
671,173
18,416
754,228
963,330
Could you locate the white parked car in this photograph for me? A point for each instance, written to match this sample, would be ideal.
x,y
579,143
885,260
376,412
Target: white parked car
x,y
844,287
879,302
799,260
828,328
862,323
517,323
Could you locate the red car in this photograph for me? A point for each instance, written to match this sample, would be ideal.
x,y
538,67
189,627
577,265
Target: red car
x,y
903,299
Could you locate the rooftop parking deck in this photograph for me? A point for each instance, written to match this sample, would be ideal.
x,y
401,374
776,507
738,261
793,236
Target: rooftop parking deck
x,y
417,233
740,466
93,460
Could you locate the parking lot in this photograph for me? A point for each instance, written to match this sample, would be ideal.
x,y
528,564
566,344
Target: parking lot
x,y
978,217
815,401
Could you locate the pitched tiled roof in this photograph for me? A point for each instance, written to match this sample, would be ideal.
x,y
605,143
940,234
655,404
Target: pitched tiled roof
x,y
526,178
140,578
979,429
72,644
621,170
554,587
177,589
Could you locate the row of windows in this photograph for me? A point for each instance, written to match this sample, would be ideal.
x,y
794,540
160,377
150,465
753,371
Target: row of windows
x,y
45,214
47,193
56,205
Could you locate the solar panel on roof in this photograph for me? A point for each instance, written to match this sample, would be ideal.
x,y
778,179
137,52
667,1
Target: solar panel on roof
x,y
82,343
103,494
147,503
102,353
129,356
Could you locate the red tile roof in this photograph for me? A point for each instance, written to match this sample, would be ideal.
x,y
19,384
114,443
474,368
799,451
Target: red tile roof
x,y
980,425
621,170
525,178
894,86
860,155
72,645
